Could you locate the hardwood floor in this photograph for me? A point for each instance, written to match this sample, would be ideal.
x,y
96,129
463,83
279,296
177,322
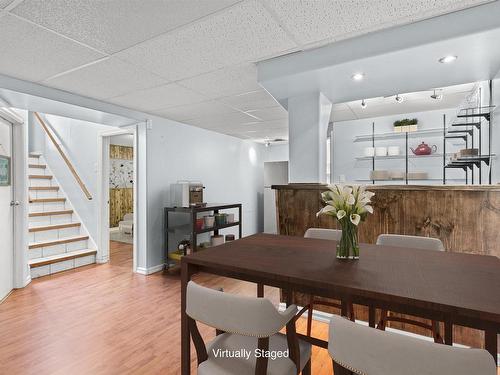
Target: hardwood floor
x,y
103,319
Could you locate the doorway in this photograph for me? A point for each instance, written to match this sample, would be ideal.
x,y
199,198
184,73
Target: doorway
x,y
118,177
14,272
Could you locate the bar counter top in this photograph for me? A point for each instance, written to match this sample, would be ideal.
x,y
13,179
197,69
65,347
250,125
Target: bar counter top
x,y
395,187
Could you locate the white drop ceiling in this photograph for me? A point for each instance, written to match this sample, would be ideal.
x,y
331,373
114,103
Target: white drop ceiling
x,y
190,60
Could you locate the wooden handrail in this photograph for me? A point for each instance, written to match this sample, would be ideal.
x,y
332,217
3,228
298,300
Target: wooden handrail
x,y
65,158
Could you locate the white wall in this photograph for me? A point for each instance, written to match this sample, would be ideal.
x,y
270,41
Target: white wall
x,y
231,170
122,140
345,150
495,171
79,142
277,152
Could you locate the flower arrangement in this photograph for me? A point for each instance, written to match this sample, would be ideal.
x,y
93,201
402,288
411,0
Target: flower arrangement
x,y
350,205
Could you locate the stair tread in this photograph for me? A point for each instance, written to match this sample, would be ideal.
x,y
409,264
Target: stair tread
x,y
40,177
61,257
49,213
34,155
35,245
47,200
54,226
39,166
44,188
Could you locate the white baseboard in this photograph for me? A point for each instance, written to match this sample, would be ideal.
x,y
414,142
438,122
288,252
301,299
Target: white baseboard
x,y
27,280
150,270
101,260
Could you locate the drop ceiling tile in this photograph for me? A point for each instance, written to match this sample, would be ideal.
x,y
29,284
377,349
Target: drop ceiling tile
x,y
269,114
4,3
311,21
242,33
32,53
105,79
228,81
251,101
160,97
230,120
113,25
193,111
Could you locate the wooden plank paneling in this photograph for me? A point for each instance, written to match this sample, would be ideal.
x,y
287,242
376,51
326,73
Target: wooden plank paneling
x,y
121,152
121,202
464,218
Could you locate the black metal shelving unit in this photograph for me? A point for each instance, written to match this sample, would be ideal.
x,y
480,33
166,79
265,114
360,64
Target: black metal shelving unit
x,y
472,120
190,228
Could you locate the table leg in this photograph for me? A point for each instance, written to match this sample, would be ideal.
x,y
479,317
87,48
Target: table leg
x,y
289,298
186,273
260,290
491,344
371,316
448,333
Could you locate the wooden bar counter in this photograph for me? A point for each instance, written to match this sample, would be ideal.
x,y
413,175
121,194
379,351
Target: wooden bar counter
x,y
465,218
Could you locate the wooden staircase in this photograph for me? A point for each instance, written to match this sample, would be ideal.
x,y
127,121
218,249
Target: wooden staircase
x,y
57,239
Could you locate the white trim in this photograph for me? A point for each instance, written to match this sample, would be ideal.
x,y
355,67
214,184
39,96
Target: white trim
x,y
103,193
150,270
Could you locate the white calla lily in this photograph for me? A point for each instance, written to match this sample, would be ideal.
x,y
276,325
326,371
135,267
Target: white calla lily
x,y
341,214
355,219
350,199
369,208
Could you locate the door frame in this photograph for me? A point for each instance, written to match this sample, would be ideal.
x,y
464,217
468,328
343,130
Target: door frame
x,y
19,160
103,192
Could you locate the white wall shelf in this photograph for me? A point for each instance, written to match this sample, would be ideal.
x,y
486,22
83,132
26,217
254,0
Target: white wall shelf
x,y
394,135
401,157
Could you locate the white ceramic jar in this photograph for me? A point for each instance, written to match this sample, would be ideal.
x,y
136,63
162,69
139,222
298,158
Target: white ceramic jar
x,y
381,151
393,150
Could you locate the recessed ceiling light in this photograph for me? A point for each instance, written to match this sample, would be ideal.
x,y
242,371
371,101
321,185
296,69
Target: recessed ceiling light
x,y
447,59
358,76
363,104
399,99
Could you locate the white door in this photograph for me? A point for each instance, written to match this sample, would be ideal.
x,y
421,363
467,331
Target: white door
x,y
6,212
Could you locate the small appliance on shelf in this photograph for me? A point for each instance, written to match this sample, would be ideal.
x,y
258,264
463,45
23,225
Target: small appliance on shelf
x,y
187,193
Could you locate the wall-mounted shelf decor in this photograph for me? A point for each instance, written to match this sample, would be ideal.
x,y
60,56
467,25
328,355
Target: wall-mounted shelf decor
x,y
471,130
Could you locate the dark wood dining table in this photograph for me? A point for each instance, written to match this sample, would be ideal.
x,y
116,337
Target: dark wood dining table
x,y
454,288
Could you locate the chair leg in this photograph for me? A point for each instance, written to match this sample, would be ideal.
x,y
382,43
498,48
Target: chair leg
x,y
307,368
351,312
438,339
383,320
310,316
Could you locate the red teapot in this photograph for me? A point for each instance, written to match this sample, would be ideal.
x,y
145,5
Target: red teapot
x,y
424,149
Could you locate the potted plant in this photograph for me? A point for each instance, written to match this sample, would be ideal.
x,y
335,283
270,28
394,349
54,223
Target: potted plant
x,y
405,125
350,205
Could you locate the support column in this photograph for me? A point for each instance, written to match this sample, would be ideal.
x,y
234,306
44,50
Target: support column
x,y
308,117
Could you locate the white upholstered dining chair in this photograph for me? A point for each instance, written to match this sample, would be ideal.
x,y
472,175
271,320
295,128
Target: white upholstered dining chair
x,y
410,242
245,325
364,350
332,235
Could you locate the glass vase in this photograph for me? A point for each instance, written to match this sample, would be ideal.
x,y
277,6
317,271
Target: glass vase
x,y
348,247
